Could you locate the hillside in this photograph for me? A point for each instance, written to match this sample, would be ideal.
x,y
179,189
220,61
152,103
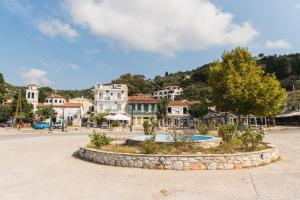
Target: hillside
x,y
193,82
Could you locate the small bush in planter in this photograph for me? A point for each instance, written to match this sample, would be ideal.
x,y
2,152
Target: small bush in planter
x,y
147,127
228,132
252,138
150,127
150,146
99,139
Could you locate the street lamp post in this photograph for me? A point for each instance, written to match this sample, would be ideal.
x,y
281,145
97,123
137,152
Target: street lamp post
x,y
131,123
63,121
51,118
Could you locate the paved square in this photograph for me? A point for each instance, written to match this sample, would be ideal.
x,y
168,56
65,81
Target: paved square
x,y
41,166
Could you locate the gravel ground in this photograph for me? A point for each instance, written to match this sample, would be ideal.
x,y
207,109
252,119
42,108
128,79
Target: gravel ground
x,y
39,165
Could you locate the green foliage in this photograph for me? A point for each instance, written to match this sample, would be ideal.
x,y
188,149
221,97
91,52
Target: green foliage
x,y
115,124
99,139
196,92
99,118
181,140
150,146
136,84
26,108
240,86
43,93
252,138
293,100
44,112
161,110
202,128
150,127
5,113
198,110
228,132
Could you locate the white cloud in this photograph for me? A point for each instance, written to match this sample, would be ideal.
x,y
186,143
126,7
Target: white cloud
x,y
167,26
73,67
35,76
298,5
55,27
278,44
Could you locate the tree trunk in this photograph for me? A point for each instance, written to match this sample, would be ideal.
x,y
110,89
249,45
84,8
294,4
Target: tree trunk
x,y
240,121
273,119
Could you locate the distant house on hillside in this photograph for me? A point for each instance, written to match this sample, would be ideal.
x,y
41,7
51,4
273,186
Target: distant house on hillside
x,y
169,92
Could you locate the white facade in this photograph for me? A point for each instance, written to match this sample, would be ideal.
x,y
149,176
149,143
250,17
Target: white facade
x,y
169,92
110,98
32,96
86,103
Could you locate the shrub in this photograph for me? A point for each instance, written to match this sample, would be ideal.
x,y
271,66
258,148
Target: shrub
x,y
252,138
115,124
99,139
150,127
202,128
150,146
146,126
228,132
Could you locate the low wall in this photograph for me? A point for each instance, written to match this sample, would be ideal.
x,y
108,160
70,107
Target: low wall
x,y
182,162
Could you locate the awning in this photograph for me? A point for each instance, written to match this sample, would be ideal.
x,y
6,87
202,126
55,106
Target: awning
x,y
290,114
118,117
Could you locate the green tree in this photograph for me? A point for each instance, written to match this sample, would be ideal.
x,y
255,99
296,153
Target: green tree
x,y
198,110
5,113
240,86
44,112
161,111
25,107
293,100
43,93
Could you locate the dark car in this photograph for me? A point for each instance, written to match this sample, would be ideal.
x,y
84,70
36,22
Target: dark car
x,y
57,125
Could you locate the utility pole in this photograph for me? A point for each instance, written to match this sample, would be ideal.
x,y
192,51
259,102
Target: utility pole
x,y
51,118
63,121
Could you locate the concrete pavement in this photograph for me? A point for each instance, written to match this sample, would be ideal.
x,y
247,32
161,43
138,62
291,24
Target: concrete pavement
x,y
42,167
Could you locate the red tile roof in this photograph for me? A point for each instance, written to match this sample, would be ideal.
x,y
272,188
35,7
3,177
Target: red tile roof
x,y
66,104
55,96
142,99
182,103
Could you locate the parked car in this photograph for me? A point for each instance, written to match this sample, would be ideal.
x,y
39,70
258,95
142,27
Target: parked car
x,y
57,125
41,125
3,125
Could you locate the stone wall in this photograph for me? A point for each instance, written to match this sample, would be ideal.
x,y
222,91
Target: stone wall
x,y
182,162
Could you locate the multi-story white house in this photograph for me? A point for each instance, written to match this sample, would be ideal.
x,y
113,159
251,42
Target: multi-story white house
x,y
86,103
32,95
110,98
178,115
64,111
168,92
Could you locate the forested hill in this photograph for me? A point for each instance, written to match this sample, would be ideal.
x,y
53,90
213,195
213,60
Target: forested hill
x,y
194,82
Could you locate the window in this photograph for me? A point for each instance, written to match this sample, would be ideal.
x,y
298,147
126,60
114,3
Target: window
x,y
28,95
60,101
32,95
139,107
55,101
169,110
146,107
185,110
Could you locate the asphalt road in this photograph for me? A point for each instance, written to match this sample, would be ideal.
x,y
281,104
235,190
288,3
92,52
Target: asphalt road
x,y
40,166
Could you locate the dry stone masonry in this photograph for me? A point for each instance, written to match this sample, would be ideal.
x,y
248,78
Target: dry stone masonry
x,y
182,162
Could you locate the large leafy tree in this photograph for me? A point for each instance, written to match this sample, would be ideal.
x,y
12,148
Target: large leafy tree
x,y
240,86
161,110
5,113
198,110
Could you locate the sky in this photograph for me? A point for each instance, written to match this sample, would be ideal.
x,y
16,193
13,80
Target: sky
x,y
68,44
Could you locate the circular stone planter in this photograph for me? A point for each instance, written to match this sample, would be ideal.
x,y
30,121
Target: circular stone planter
x,y
182,162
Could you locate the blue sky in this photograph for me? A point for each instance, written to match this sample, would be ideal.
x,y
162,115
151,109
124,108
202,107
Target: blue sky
x,y
69,44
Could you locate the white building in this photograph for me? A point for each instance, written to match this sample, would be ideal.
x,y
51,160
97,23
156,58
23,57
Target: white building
x,y
32,96
177,113
110,98
86,103
168,92
63,110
